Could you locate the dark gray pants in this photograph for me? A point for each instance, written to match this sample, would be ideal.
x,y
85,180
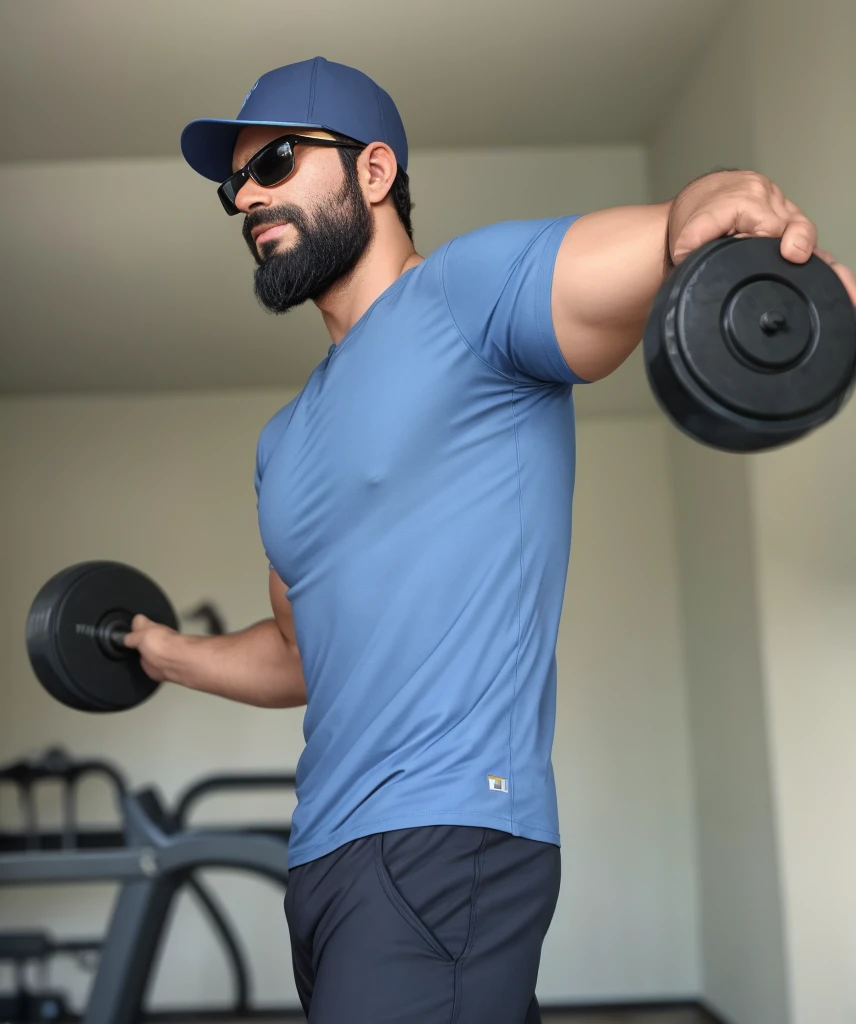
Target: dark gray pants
x,y
435,925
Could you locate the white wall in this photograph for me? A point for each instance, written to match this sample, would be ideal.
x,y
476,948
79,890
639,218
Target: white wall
x,y
140,282
738,865
710,125
708,120
622,749
804,510
165,483
769,560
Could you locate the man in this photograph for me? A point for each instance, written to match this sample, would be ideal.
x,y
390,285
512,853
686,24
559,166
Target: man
x,y
415,504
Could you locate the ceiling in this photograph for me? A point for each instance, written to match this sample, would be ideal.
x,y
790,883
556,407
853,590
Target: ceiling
x,y
117,277
84,78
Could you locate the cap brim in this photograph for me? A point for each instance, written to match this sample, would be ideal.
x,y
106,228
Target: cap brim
x,y
207,144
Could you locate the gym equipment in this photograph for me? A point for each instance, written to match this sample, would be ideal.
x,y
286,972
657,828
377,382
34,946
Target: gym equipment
x,y
56,765
75,629
37,947
745,350
151,869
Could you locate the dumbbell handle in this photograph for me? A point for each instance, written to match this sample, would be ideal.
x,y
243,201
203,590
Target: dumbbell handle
x,y
115,637
111,632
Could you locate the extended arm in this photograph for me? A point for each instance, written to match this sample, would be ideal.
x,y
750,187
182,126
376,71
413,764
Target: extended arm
x,y
611,263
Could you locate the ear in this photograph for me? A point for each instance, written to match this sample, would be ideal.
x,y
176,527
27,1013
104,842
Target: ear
x,y
376,169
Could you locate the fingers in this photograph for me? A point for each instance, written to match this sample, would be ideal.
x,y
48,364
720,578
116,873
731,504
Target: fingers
x,y
139,626
799,239
146,637
734,217
750,206
798,234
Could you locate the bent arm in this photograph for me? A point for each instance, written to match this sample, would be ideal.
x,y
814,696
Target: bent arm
x,y
259,666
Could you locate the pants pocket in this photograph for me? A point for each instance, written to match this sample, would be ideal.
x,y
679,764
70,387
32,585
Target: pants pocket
x,y
432,876
403,907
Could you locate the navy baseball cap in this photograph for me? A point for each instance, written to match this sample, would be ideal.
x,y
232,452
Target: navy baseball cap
x,y
310,94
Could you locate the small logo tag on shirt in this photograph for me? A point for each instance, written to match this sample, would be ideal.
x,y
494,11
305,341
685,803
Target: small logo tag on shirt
x,y
498,783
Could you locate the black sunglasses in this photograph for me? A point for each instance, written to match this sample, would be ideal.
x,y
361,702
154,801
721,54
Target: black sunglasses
x,y
272,165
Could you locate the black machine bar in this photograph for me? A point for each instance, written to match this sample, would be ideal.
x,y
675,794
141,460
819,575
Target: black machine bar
x,y
228,782
42,867
129,951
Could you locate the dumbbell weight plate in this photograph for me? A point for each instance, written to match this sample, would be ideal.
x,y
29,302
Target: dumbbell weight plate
x,y
44,656
745,350
66,635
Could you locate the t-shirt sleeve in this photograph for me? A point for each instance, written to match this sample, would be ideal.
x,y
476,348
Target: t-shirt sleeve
x,y
498,282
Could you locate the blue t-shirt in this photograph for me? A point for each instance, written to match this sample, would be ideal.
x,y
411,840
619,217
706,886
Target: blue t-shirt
x,y
416,500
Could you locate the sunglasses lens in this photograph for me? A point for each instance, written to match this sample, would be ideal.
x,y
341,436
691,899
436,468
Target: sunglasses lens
x,y
227,194
273,164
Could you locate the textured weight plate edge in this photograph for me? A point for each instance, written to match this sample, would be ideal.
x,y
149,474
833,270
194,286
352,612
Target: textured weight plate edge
x,y
41,617
661,356
666,348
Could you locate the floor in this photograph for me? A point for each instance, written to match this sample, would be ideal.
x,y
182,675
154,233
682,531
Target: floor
x,y
660,1017
614,1017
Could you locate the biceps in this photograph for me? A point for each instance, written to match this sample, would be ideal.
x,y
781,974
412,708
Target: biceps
x,y
281,606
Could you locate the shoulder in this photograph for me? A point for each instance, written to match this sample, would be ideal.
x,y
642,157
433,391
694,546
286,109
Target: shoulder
x,y
505,239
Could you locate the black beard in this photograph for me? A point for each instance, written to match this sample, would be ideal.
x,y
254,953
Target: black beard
x,y
328,247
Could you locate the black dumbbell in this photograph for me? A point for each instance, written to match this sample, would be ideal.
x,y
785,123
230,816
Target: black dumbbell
x,y
745,350
75,631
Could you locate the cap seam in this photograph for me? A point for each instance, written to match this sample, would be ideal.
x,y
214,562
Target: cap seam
x,y
312,88
380,108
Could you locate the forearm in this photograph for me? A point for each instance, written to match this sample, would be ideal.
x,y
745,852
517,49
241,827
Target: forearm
x,y
256,666
630,251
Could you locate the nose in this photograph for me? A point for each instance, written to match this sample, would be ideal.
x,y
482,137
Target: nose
x,y
252,196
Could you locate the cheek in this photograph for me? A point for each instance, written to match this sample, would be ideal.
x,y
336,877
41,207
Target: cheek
x,y
305,188
288,194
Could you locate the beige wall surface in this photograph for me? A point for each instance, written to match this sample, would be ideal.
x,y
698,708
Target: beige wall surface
x,y
804,506
165,483
769,608
709,124
146,285
741,937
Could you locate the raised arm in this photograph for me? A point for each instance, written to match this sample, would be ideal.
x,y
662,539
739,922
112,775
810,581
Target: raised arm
x,y
611,263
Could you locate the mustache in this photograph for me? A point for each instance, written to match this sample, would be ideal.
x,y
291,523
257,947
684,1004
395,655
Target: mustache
x,y
272,215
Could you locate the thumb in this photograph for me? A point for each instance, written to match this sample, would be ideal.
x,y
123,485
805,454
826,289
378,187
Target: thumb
x,y
139,624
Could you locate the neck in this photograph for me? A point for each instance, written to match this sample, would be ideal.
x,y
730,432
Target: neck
x,y
381,265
